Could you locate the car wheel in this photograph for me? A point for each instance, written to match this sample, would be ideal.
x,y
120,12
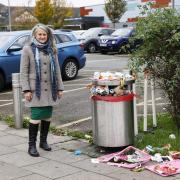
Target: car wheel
x,y
91,48
70,69
2,82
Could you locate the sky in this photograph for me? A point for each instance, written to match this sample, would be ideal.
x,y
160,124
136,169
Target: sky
x,y
75,3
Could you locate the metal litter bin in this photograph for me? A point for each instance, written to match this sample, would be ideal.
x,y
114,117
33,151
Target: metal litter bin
x,y
112,118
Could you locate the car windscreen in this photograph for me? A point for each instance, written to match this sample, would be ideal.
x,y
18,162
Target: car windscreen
x,y
90,32
5,39
121,32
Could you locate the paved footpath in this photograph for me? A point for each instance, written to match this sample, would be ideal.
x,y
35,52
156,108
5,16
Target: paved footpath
x,y
59,164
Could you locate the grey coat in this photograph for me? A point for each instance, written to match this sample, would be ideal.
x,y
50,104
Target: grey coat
x,y
28,78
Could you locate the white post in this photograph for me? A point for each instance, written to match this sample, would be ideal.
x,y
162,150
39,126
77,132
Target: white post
x,y
135,111
173,4
153,104
145,101
17,94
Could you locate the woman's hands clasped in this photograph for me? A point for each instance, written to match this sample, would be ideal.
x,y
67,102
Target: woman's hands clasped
x,y
28,96
60,94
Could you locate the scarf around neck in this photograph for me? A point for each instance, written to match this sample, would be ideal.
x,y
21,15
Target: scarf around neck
x,y
47,49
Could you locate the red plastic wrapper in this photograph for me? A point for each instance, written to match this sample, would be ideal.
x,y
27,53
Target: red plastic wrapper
x,y
128,97
165,169
175,155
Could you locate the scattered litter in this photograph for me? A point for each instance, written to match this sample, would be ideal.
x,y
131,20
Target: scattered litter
x,y
167,146
174,154
77,152
102,151
172,136
130,157
149,148
138,169
94,160
87,136
157,158
167,158
153,150
166,168
135,160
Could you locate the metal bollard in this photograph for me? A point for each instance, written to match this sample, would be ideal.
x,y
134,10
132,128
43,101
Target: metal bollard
x,y
17,99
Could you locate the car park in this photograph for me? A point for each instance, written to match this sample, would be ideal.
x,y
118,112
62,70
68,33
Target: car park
x,y
90,38
117,41
70,53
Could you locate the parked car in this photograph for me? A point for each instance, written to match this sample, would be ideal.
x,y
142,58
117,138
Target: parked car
x,y
91,37
78,33
117,41
70,53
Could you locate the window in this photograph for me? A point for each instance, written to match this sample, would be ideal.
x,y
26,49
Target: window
x,y
62,38
21,41
57,39
65,38
106,31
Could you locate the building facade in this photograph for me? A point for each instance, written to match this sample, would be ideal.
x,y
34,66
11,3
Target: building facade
x,y
95,15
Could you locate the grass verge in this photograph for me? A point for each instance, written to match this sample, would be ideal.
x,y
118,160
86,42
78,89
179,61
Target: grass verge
x,y
156,137
56,131
159,137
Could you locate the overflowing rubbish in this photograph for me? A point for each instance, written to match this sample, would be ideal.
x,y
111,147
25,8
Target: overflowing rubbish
x,y
137,160
110,84
112,76
112,108
113,87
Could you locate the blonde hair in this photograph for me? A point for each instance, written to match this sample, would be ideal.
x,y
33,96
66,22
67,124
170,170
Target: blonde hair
x,y
49,34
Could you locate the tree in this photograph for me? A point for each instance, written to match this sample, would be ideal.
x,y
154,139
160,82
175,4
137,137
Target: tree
x,y
115,9
24,19
43,11
160,54
61,10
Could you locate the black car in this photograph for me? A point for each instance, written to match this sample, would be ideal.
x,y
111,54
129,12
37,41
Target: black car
x,y
90,38
120,41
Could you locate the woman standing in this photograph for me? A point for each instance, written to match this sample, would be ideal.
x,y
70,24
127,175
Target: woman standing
x,y
41,83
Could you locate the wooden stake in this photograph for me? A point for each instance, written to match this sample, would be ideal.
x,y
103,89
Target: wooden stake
x,y
153,104
145,101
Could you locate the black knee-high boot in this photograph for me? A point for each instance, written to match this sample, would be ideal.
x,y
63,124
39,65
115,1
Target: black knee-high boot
x,y
43,136
33,130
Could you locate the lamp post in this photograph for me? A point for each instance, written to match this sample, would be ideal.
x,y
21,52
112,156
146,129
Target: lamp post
x,y
9,13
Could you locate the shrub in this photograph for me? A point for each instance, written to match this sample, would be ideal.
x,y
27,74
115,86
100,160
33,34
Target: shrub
x,y
160,54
